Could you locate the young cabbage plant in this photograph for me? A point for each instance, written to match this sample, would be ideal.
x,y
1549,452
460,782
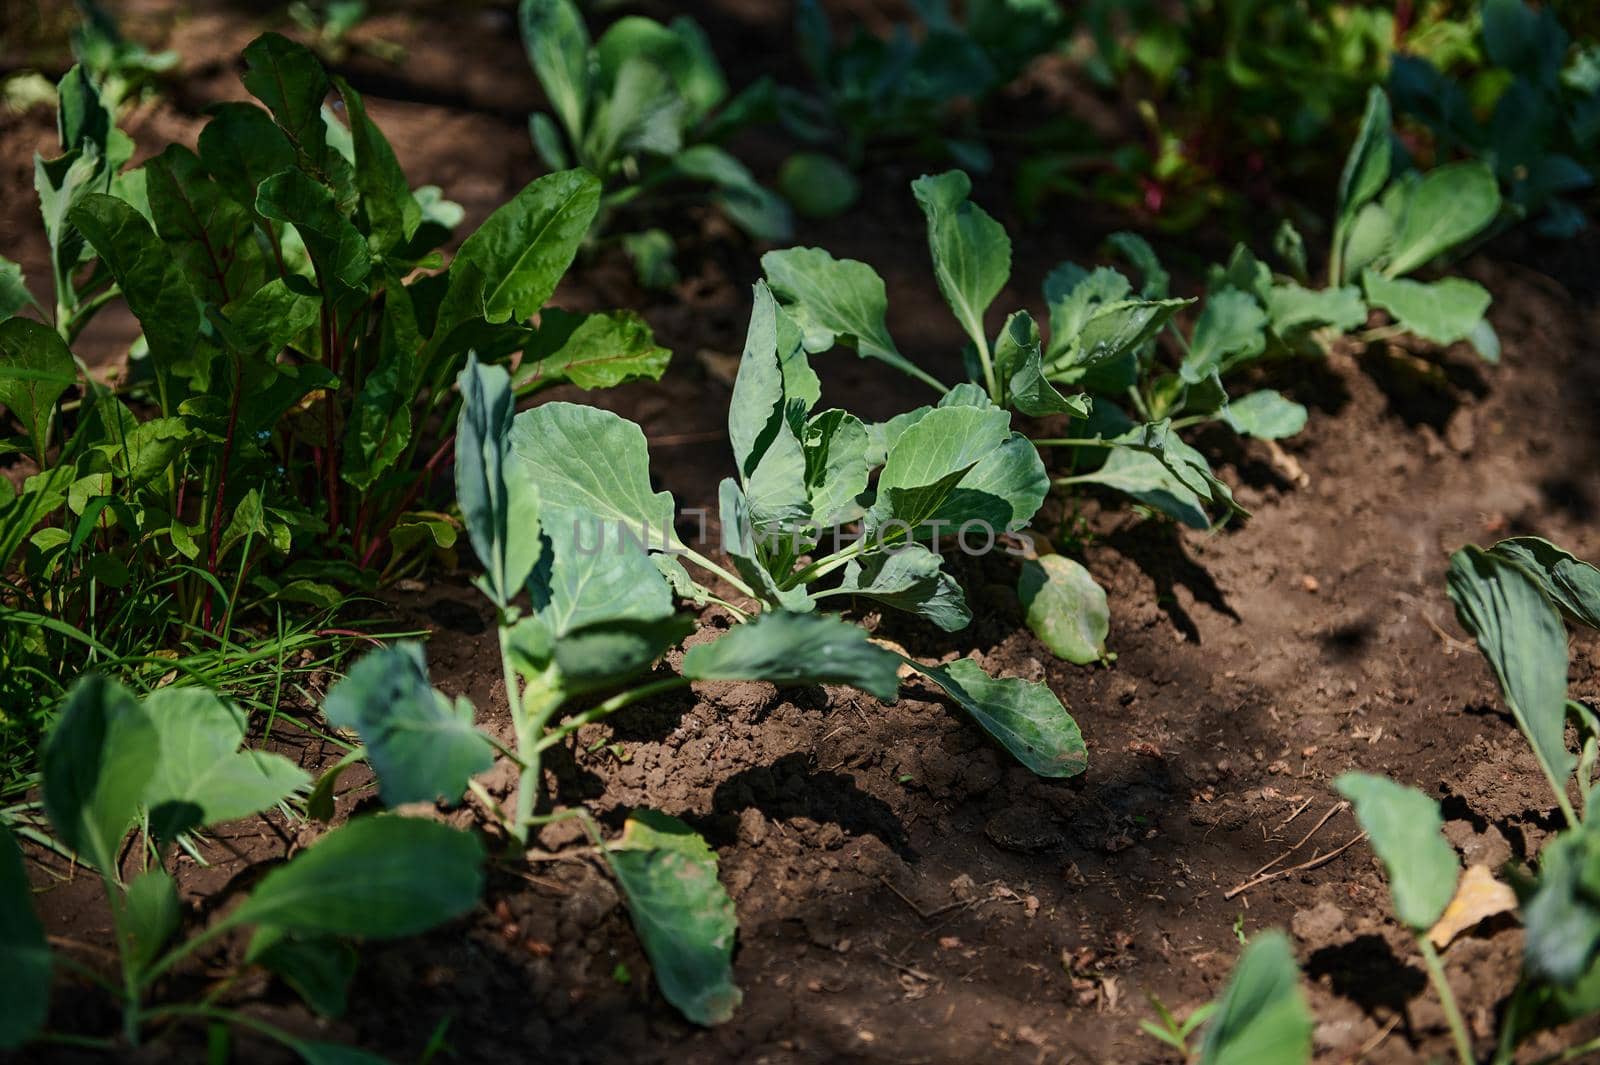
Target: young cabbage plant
x,y
1511,598
646,107
288,404
163,768
1540,130
956,468
1389,223
903,90
583,615
1098,331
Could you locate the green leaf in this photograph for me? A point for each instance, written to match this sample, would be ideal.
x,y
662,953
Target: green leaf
x,y
833,300
24,952
336,1054
338,251
380,425
391,209
748,548
1065,608
422,747
1294,308
1266,415
35,370
525,246
152,281
379,877
751,206
597,575
1406,830
909,578
766,443
97,760
201,777
1262,1019
836,466
210,234
931,457
288,78
818,185
1521,635
610,652
789,648
1019,363
600,350
14,294
148,914
681,911
1562,911
319,968
242,147
1137,250
1232,326
558,47
1450,205
1566,580
1025,718
971,251
1366,169
499,504
1442,311
582,458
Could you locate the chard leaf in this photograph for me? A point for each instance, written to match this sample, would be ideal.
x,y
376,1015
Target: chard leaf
x,y
1519,632
201,777
582,458
1569,582
24,949
1451,204
836,466
1265,415
1019,363
210,234
288,78
152,281
380,877
1366,169
1232,327
1442,311
682,913
1025,718
836,299
35,370
391,209
971,252
558,48
1406,831
1262,1018
499,504
338,251
523,248
421,745
241,147
789,648
97,761
931,457
909,578
595,577
592,351
380,425
1065,608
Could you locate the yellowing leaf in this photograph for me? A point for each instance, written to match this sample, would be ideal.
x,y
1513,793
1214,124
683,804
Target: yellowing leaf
x,y
1479,897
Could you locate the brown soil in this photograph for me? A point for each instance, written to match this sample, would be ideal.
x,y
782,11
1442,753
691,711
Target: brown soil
x,y
905,893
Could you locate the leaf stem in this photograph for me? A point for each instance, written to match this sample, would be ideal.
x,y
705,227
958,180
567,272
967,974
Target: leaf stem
x,y
1447,999
705,563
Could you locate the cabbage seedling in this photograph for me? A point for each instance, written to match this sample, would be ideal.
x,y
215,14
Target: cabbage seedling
x,y
168,765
